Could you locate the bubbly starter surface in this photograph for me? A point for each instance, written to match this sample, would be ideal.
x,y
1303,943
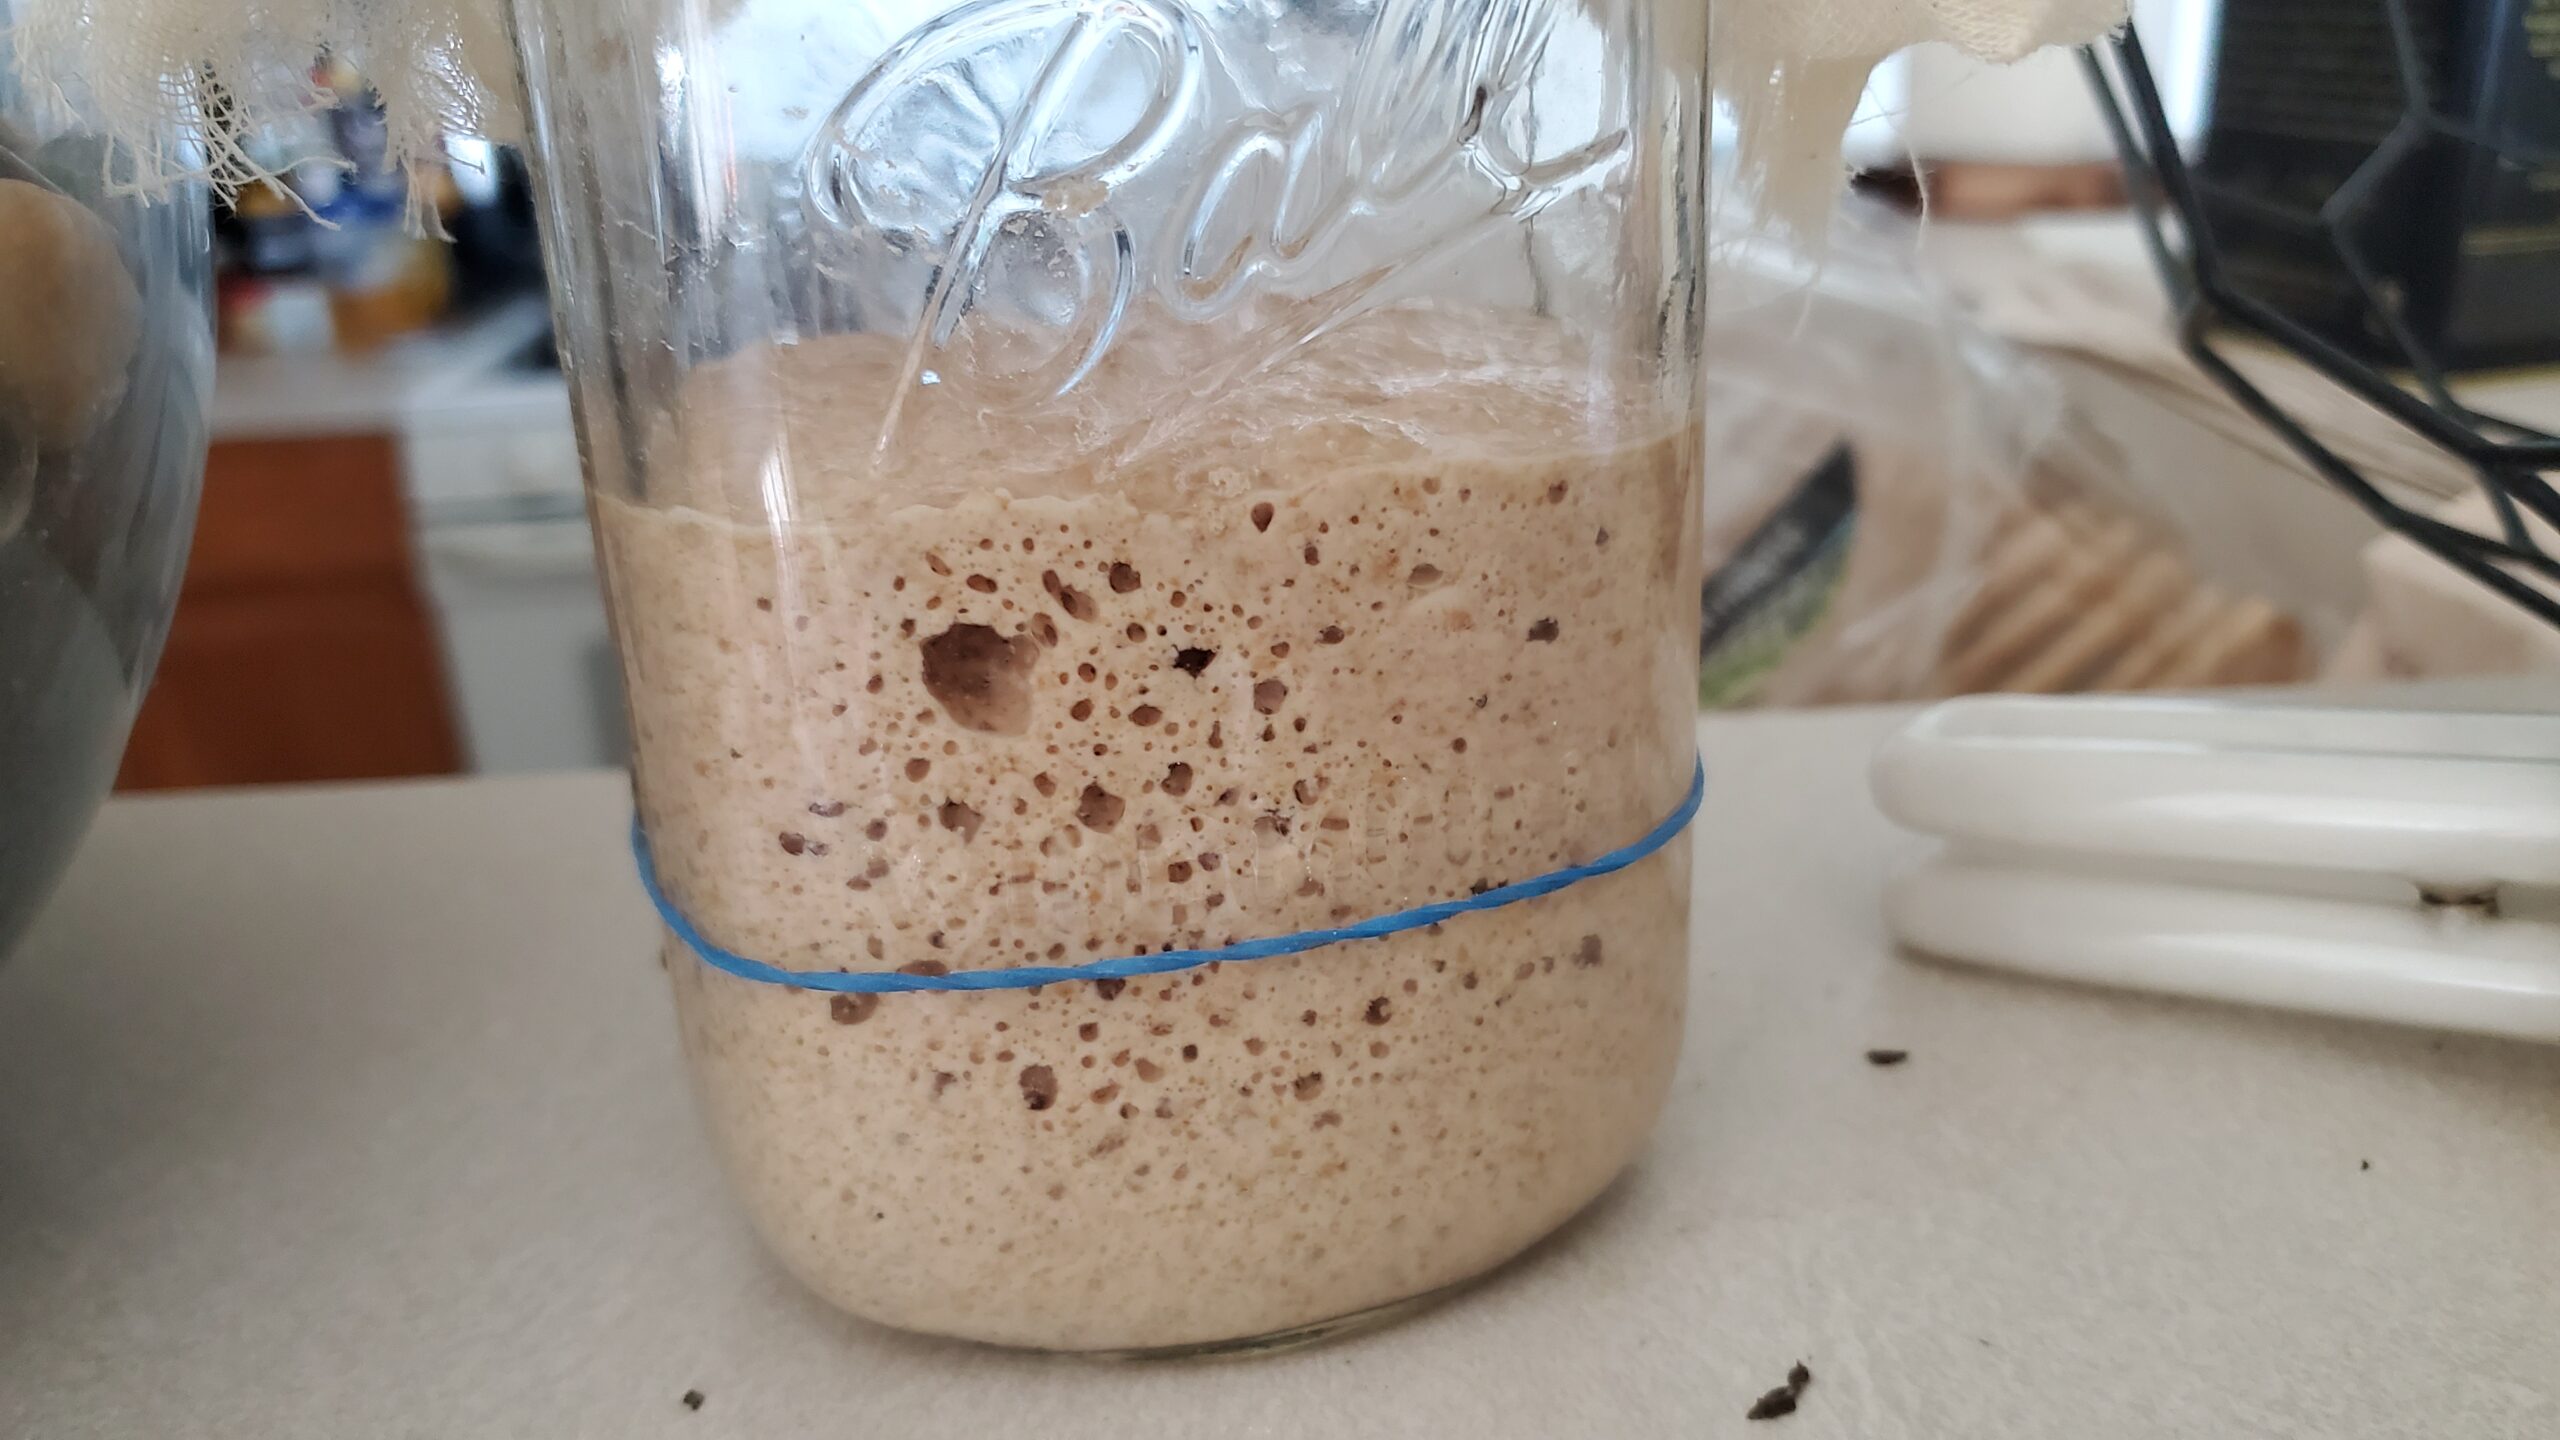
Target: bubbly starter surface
x,y
1399,617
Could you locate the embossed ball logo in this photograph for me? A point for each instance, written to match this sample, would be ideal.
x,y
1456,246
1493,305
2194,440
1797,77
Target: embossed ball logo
x,y
1049,163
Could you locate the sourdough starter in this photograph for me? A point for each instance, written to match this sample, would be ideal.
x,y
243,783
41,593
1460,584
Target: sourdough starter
x,y
1402,616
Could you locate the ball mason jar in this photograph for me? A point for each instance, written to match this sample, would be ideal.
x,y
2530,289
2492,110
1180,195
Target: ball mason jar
x,y
1083,479
106,369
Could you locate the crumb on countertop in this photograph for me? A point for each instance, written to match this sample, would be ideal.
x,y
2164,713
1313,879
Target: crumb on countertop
x,y
1782,1401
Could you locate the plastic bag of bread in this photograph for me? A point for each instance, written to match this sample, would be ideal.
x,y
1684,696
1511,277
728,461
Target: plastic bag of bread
x,y
1901,507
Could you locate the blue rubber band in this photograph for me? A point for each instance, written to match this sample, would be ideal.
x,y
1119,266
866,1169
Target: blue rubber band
x,y
838,982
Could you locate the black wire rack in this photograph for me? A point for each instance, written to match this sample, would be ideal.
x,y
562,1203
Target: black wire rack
x,y
2513,463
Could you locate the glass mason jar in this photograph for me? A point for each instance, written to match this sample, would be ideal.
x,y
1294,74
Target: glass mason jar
x,y
1078,479
106,362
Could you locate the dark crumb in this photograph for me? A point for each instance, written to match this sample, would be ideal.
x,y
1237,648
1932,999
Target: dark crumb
x,y
1882,1059
693,1399
2364,1165
1039,1087
1781,1401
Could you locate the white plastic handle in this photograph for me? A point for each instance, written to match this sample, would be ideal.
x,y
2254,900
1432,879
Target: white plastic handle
x,y
2436,967
2443,800
2271,855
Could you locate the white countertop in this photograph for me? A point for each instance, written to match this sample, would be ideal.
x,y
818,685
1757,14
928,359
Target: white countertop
x,y
358,1113
459,365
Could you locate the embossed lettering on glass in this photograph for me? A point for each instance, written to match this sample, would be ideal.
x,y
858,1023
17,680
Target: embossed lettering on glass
x,y
1086,478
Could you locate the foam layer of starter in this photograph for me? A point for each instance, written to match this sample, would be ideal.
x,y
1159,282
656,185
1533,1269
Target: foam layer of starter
x,y
1401,616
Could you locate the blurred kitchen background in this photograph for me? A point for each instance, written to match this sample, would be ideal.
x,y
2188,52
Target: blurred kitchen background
x,y
391,574
1955,458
